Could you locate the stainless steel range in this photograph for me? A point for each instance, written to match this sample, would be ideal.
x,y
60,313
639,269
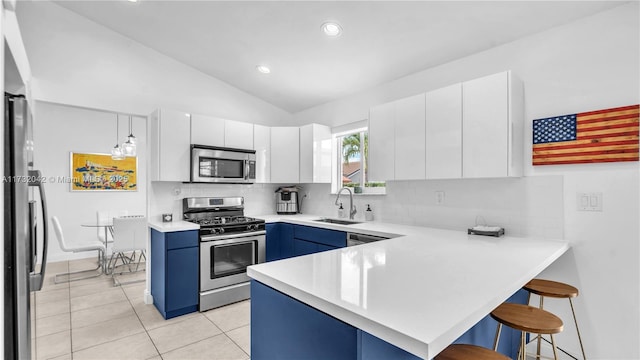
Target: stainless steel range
x,y
229,243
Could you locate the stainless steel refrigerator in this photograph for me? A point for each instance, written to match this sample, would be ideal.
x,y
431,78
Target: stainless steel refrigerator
x,y
24,201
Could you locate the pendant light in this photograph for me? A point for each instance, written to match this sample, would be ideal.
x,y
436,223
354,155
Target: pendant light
x,y
116,152
129,147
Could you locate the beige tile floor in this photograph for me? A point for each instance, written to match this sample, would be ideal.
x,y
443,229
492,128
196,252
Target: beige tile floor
x,y
92,319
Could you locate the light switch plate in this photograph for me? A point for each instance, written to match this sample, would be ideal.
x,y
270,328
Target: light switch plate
x,y
589,201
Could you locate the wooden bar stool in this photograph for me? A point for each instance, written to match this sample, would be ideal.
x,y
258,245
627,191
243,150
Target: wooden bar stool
x,y
554,289
527,319
466,352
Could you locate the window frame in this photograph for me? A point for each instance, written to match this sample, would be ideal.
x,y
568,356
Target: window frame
x,y
337,166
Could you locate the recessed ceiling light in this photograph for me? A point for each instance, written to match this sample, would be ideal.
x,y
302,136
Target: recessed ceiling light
x,y
133,0
332,29
263,69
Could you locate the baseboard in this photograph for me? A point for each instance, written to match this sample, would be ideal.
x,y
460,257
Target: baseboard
x,y
148,298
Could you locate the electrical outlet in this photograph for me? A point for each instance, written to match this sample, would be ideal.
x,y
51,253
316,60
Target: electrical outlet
x,y
439,197
589,201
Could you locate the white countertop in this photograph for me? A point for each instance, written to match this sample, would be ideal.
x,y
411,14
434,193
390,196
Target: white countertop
x,y
419,291
179,225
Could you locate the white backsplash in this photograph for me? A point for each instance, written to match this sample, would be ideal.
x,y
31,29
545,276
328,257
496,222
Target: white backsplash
x,y
528,206
166,197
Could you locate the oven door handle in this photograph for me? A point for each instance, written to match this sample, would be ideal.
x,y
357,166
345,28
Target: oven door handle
x,y
231,236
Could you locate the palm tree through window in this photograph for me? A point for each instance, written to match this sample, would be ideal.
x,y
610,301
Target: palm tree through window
x,y
353,161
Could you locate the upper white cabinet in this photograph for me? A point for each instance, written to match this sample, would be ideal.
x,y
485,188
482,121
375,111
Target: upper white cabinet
x,y
409,125
262,146
213,131
207,130
396,138
315,154
444,133
238,134
285,155
492,126
382,142
467,130
169,142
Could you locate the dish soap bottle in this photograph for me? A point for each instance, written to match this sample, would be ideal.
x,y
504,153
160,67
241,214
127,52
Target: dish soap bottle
x,y
340,211
368,214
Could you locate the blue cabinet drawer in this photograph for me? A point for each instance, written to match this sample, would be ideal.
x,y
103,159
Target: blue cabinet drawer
x,y
303,247
182,239
321,236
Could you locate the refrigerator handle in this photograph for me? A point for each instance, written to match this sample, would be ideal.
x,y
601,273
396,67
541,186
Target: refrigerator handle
x,y
36,280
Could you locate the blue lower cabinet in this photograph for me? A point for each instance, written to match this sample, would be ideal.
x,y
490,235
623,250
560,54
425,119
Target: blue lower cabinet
x,y
483,333
284,328
322,247
273,241
174,272
303,247
328,237
286,241
373,348
279,241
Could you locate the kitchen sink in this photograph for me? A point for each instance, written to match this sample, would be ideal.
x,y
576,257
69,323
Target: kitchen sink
x,y
338,221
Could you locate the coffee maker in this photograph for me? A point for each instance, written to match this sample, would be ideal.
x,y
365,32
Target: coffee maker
x,y
287,200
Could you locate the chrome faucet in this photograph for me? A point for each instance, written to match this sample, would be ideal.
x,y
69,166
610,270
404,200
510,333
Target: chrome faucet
x,y
352,208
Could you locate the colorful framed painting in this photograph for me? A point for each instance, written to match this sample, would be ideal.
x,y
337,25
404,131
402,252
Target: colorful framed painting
x,y
99,172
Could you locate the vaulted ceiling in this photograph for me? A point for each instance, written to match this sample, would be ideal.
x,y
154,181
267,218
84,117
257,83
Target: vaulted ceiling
x,y
381,41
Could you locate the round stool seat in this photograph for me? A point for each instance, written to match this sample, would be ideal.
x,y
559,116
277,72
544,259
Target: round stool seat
x,y
551,288
466,352
527,318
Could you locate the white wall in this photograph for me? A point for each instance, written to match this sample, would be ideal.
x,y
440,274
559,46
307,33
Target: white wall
x,y
59,130
78,62
590,64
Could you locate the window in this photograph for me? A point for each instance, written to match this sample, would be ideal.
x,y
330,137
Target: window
x,y
351,149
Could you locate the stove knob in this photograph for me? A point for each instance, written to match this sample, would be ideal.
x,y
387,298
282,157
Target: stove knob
x,y
221,231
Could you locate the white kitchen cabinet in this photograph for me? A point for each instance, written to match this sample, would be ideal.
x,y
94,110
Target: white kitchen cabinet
x,y
169,142
262,146
381,142
285,155
409,129
397,140
238,134
492,126
315,154
444,133
207,130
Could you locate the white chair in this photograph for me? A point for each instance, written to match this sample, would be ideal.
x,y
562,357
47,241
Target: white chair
x,y
102,217
105,217
76,247
129,235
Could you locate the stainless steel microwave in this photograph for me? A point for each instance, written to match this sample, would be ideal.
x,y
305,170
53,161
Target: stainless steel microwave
x,y
211,164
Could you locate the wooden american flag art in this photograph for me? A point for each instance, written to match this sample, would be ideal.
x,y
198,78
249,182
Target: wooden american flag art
x,y
608,135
